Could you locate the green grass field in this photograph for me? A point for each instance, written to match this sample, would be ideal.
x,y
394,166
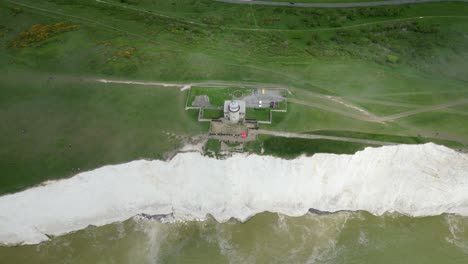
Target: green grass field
x,y
212,147
212,114
388,138
261,114
48,88
56,128
217,95
301,118
290,148
448,125
324,1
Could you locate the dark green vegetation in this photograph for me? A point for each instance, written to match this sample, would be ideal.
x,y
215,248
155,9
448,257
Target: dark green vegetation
x,y
212,114
231,144
323,1
261,114
387,138
293,147
212,147
38,33
167,47
385,54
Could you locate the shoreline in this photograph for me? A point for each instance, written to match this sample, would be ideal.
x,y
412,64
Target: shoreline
x,y
192,186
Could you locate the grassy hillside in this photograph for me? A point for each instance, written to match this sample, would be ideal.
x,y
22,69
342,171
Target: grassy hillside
x,y
385,60
383,137
290,148
55,128
323,1
301,118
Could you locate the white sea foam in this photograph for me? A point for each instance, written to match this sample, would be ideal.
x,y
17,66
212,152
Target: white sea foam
x,y
416,180
458,227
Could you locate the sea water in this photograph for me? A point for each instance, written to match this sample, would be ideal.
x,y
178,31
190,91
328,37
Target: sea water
x,y
345,237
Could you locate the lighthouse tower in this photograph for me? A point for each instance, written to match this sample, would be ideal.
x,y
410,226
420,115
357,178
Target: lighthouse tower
x,y
234,109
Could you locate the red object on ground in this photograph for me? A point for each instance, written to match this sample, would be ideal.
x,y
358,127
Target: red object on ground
x,y
243,135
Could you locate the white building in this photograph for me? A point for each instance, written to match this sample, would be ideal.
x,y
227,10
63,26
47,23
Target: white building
x,y
234,111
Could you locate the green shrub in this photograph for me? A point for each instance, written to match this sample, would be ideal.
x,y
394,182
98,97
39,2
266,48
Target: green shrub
x,y
392,58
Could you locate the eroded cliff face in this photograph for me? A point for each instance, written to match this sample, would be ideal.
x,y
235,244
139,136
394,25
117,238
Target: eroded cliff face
x,y
416,180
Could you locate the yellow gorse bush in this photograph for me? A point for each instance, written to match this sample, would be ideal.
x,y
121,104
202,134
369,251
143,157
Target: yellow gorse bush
x,y
40,32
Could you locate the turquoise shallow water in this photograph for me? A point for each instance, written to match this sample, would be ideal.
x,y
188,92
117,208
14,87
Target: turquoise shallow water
x,y
346,237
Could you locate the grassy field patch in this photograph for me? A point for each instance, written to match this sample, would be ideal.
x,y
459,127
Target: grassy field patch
x,y
260,114
217,95
387,138
212,113
212,147
293,147
38,33
53,129
324,1
300,118
383,109
440,124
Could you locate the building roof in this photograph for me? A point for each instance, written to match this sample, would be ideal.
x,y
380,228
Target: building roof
x,y
241,105
234,106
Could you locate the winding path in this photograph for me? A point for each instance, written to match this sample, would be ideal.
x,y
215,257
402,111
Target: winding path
x,y
359,116
334,5
423,110
374,118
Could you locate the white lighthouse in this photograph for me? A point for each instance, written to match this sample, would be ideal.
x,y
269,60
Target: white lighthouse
x,y
234,110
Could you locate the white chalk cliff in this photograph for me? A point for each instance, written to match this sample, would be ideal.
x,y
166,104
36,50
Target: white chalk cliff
x,y
416,180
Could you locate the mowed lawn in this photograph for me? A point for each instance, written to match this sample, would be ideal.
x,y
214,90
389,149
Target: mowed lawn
x,y
53,129
217,95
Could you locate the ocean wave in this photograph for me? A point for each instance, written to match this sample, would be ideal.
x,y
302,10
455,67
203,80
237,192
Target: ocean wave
x,y
415,180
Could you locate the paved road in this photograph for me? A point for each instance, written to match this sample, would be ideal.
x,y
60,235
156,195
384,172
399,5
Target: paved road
x,y
332,5
313,136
